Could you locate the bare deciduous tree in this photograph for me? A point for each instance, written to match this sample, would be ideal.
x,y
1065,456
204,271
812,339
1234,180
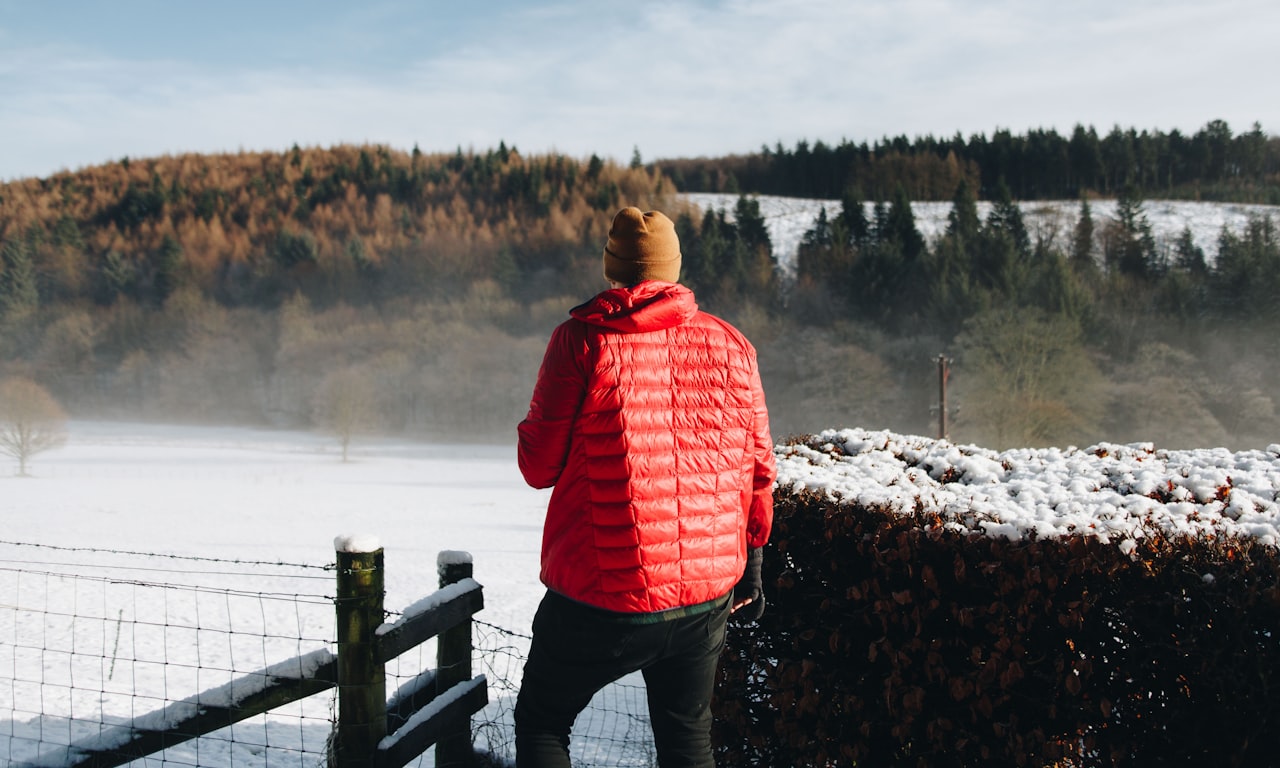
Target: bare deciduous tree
x,y
345,404
31,420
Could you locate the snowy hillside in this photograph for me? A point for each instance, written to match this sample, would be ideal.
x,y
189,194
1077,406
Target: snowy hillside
x,y
787,218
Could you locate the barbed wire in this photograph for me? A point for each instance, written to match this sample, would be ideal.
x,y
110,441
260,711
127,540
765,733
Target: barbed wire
x,y
194,558
301,597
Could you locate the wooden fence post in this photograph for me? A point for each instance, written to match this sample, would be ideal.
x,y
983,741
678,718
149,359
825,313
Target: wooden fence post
x,y
362,681
453,662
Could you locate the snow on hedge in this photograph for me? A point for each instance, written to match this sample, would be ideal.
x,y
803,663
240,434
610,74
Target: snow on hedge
x,y
1118,493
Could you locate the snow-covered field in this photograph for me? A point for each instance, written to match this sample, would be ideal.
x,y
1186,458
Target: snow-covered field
x,y
788,218
227,494
226,503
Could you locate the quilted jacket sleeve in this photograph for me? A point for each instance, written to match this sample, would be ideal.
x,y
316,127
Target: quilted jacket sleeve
x,y
760,515
544,435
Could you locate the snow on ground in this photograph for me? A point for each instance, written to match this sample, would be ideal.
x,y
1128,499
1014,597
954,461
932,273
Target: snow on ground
x,y
110,642
242,494
788,218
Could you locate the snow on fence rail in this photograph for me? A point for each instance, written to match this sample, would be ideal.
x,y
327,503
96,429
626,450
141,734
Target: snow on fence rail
x,y
167,654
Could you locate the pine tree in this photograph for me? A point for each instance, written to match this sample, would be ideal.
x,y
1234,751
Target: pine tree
x,y
706,256
1006,218
756,250
19,292
1133,250
951,295
1082,240
1085,158
167,266
813,257
1189,257
900,227
853,219
963,221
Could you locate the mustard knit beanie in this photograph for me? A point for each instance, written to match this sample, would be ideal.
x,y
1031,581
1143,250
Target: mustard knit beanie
x,y
642,246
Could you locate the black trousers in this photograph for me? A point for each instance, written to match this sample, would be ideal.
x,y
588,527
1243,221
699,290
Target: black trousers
x,y
577,650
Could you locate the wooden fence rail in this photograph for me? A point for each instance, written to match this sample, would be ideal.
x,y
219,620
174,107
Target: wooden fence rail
x,y
433,709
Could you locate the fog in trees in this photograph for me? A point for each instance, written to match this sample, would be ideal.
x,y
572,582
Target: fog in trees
x,y
362,291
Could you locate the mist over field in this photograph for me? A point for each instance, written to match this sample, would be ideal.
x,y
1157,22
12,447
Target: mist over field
x,y
359,290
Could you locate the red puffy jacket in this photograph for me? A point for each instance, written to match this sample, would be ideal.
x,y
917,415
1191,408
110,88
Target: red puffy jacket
x,y
649,419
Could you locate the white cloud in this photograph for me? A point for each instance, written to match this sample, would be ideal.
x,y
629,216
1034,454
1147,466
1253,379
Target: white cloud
x,y
670,78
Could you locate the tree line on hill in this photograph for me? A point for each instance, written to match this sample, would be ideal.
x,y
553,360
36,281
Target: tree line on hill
x,y
1211,164
360,288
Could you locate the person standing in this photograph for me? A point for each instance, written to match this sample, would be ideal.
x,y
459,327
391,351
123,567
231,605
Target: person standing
x,y
648,420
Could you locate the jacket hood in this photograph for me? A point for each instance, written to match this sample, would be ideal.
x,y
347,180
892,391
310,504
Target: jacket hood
x,y
652,305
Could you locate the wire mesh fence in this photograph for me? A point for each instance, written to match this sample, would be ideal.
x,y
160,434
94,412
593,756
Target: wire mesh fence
x,y
95,642
612,731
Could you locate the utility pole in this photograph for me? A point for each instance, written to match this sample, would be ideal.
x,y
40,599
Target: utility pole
x,y
944,373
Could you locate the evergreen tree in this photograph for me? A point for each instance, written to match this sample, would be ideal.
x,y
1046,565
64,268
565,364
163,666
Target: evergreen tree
x,y
750,224
1188,256
687,234
997,263
879,220
1055,287
117,277
963,222
755,250
1132,250
707,257
292,249
1246,274
167,268
953,295
826,255
952,290
1082,240
813,256
1006,218
1085,158
853,219
876,280
594,166
900,227
19,292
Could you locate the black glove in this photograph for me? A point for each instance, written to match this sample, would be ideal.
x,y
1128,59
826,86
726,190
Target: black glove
x,y
750,586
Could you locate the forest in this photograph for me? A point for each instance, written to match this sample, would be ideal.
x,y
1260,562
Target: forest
x,y
372,290
1211,164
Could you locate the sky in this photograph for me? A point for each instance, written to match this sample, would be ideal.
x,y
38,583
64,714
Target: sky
x,y
83,83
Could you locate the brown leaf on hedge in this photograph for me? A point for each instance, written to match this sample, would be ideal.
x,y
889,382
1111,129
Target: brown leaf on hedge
x,y
1012,674
984,706
1073,684
929,579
